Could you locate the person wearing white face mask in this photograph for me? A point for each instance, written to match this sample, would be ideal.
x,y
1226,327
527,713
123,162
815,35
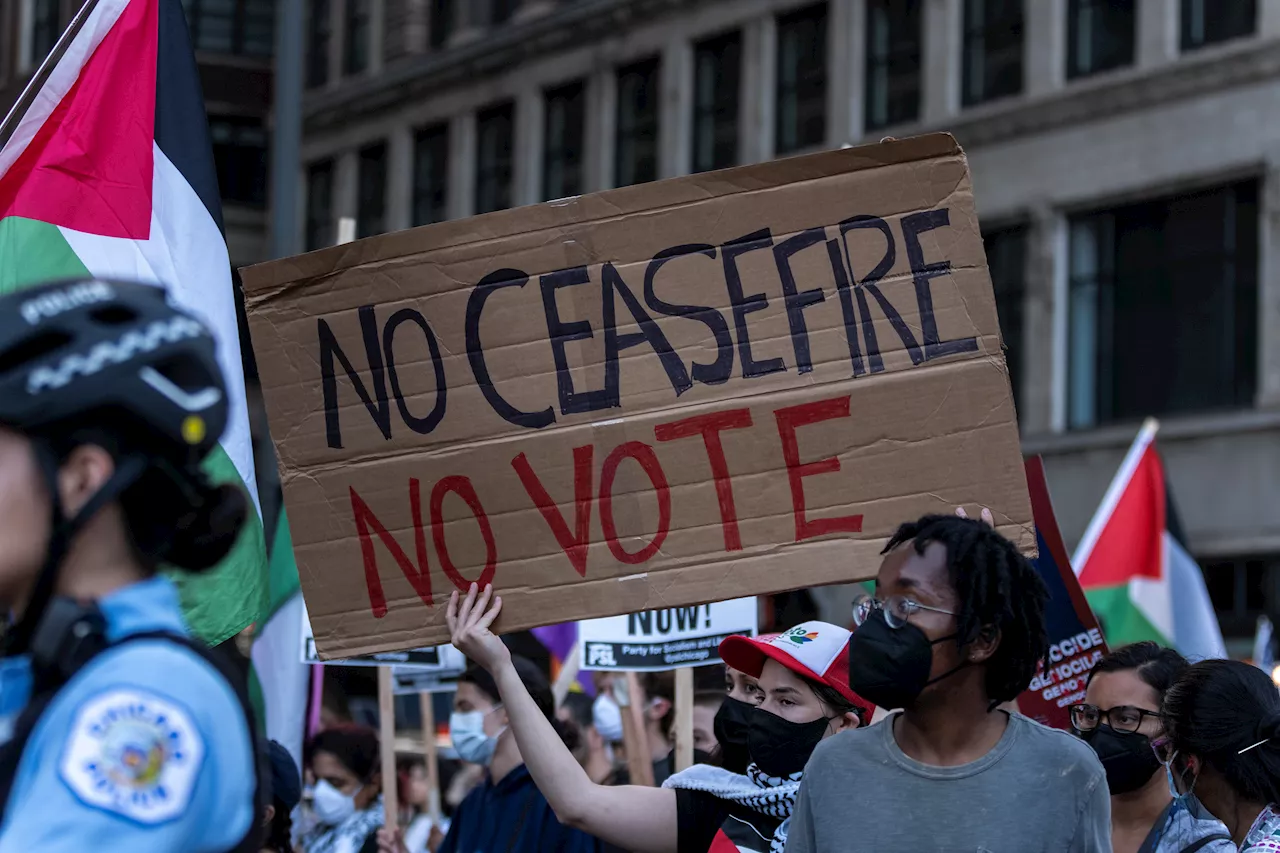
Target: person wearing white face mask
x,y
347,796
506,813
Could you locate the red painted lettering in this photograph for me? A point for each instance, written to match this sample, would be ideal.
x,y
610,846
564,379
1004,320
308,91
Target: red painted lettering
x,y
419,576
789,419
709,427
648,460
461,486
574,545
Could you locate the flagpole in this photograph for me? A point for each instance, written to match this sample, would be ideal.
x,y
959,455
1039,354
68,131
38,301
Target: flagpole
x,y
1141,442
37,81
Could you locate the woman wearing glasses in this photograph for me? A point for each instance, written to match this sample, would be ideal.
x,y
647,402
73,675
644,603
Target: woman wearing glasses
x,y
1119,719
1222,747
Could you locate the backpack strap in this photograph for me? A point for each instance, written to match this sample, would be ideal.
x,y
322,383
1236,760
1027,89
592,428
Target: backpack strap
x,y
48,683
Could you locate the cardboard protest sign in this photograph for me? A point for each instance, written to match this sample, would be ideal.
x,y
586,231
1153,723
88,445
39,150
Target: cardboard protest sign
x,y
669,638
431,660
715,386
1075,640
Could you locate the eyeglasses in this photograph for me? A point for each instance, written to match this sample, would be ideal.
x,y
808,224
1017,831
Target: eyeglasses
x,y
1121,718
897,609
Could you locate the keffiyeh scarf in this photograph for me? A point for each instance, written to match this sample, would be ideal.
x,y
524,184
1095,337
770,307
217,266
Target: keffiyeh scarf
x,y
767,795
348,836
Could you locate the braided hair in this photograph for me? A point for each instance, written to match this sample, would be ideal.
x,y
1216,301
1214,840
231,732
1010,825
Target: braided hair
x,y
280,831
997,590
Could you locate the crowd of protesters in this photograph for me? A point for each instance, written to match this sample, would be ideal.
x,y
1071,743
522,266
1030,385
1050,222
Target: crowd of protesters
x,y
900,735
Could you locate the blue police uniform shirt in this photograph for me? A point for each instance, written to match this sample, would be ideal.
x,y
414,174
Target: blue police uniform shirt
x,y
512,816
146,748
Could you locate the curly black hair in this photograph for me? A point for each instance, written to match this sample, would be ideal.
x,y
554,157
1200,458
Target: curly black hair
x,y
996,588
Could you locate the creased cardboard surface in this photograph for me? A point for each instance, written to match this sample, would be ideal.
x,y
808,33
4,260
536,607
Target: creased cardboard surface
x,y
705,388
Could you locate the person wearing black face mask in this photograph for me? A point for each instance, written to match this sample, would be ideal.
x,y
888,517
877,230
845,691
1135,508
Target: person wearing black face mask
x,y
1119,718
955,630
742,696
804,675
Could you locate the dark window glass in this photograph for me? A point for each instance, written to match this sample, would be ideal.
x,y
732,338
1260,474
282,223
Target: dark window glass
x,y
431,175
1242,589
895,33
992,49
802,79
442,22
500,11
320,224
371,205
46,26
356,48
1206,22
1100,36
318,34
240,155
563,141
717,73
242,27
495,143
1164,304
1007,260
637,144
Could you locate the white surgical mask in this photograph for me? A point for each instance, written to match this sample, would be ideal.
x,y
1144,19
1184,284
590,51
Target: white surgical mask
x,y
607,718
466,730
331,805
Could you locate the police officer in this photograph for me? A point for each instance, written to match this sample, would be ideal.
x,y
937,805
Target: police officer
x,y
120,732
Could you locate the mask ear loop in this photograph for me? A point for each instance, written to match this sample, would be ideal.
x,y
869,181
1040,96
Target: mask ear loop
x,y
63,530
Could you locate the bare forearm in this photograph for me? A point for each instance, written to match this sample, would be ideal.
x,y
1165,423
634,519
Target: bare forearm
x,y
557,773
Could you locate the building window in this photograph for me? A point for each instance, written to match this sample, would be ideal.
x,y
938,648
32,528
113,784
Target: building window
x,y
320,224
442,22
717,73
431,175
241,27
371,204
358,33
992,49
1007,260
1242,589
46,26
318,34
1100,36
1163,307
802,79
563,141
494,138
240,155
500,11
1206,22
895,40
637,144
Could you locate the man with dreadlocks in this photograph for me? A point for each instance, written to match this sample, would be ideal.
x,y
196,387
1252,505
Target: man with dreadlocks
x,y
956,628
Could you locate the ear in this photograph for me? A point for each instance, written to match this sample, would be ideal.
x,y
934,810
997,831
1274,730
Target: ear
x,y
658,708
846,722
984,646
82,474
268,815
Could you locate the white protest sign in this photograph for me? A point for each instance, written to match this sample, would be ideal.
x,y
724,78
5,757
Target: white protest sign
x,y
443,660
670,638
410,680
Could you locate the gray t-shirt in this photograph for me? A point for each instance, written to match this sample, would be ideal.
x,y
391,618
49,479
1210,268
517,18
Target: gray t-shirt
x,y
1039,790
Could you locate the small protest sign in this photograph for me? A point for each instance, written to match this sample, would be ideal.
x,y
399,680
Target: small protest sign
x,y
431,659
1075,640
670,638
408,680
720,385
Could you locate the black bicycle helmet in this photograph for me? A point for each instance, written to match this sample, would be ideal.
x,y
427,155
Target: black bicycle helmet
x,y
116,364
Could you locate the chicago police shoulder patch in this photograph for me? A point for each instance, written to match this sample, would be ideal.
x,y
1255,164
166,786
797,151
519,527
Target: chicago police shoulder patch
x,y
133,753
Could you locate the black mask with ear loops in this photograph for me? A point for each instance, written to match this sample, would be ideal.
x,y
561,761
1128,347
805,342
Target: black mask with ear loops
x,y
891,666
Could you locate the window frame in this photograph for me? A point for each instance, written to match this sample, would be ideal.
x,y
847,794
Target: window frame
x,y
1187,41
1105,9
568,155
879,63
501,171
977,34
320,234
442,23
319,41
713,122
357,41
810,87
232,149
436,191
46,22
243,15
1011,294
371,188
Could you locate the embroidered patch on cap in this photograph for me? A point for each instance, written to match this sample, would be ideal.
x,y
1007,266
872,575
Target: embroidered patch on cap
x,y
135,754
813,644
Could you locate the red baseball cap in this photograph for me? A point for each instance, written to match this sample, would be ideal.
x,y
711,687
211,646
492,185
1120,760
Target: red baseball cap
x,y
818,651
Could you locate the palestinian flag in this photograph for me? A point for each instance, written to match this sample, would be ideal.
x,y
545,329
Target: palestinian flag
x,y
1134,565
278,679
110,173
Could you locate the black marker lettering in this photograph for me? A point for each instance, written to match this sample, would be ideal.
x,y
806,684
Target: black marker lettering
x,y
871,285
912,227
611,284
719,371
422,426
796,302
488,285
572,402
743,304
329,350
